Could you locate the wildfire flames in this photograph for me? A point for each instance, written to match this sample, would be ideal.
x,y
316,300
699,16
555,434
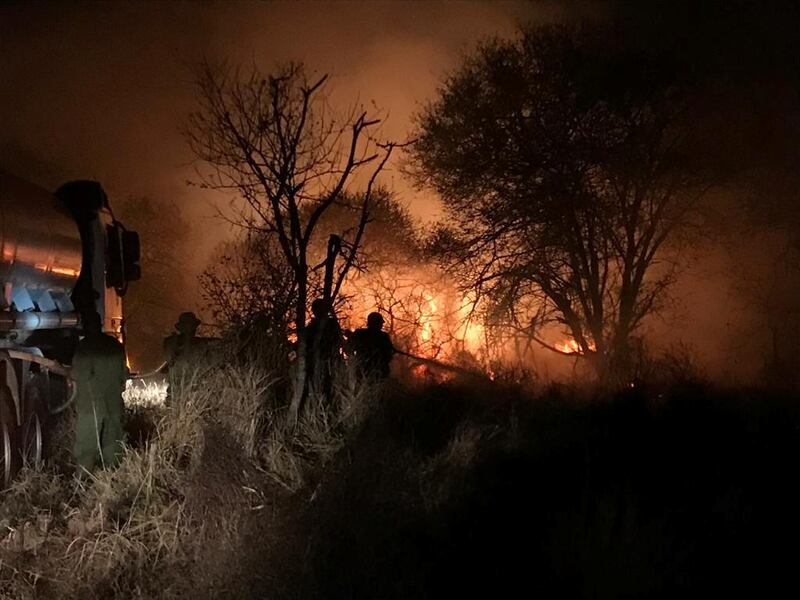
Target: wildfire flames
x,y
427,316
570,346
427,319
446,326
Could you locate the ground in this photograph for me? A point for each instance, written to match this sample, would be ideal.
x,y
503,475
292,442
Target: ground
x,y
479,488
448,492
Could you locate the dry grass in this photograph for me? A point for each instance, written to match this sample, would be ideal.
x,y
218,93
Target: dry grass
x,y
143,530
289,453
443,473
104,533
146,392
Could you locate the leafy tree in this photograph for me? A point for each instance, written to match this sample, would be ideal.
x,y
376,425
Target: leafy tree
x,y
560,160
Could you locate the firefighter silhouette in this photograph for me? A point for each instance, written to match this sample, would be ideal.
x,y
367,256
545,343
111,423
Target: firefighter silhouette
x,y
371,348
180,344
323,347
99,371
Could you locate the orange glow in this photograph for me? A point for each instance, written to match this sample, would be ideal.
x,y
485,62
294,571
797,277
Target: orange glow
x,y
424,372
425,313
470,330
446,324
570,346
420,371
56,270
426,320
65,271
429,317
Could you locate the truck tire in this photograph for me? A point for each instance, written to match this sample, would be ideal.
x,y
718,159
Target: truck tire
x,y
32,431
9,450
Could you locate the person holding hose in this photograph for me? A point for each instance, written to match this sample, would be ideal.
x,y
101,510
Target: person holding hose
x,y
371,348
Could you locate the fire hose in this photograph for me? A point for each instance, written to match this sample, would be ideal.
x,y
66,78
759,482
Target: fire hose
x,y
440,365
159,369
421,359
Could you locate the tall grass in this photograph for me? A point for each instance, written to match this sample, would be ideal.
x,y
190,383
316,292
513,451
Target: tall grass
x,y
291,451
104,534
166,515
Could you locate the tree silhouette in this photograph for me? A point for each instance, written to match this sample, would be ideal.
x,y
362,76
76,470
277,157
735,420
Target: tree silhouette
x,y
274,141
559,157
247,280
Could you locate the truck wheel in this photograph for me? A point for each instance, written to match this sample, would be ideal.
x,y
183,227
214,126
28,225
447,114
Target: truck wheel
x,y
32,441
9,452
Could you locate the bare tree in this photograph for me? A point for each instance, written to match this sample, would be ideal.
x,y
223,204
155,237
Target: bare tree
x,y
275,142
560,161
248,281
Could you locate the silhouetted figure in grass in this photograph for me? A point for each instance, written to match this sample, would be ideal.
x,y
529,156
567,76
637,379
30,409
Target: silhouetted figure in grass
x,y
323,346
183,341
371,348
99,371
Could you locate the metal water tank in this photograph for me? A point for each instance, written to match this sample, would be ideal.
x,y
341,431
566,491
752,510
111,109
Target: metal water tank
x,y
40,245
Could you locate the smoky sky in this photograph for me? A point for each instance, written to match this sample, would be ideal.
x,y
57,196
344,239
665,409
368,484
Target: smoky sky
x,y
100,90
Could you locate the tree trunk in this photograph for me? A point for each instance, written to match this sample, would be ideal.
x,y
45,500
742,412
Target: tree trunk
x,y
334,247
612,361
619,361
300,378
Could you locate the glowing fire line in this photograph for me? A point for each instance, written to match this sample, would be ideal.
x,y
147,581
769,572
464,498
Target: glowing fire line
x,y
570,346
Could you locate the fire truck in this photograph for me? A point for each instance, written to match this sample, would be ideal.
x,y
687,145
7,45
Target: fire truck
x,y
63,255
